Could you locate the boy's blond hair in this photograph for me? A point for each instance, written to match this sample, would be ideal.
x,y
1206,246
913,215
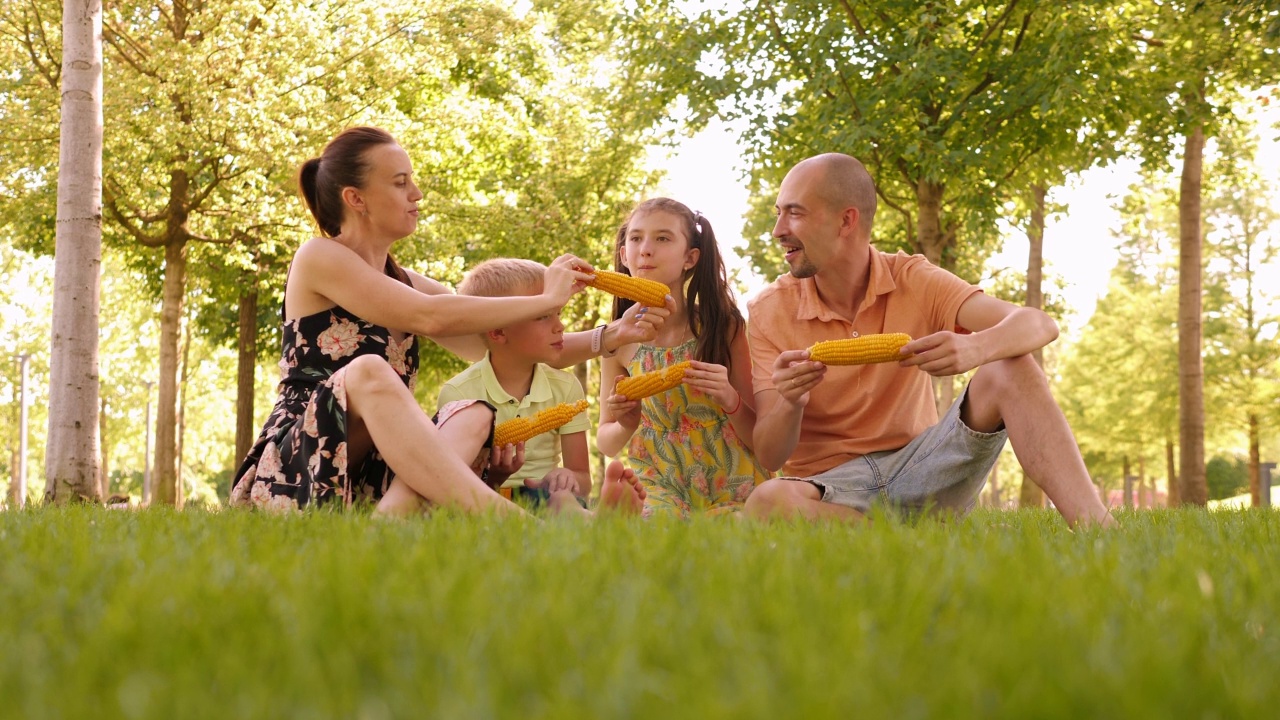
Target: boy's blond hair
x,y
504,277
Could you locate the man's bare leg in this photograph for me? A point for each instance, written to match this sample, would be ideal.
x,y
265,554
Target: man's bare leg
x,y
1016,393
783,498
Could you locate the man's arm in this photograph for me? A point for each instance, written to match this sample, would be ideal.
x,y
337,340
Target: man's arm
x,y
780,408
998,330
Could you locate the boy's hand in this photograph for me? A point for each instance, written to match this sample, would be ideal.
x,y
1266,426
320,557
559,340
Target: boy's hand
x,y
504,460
556,480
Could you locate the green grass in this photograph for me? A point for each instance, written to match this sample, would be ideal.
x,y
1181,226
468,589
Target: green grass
x,y
159,614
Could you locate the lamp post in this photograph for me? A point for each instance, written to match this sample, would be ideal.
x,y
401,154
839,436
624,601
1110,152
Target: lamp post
x,y
146,451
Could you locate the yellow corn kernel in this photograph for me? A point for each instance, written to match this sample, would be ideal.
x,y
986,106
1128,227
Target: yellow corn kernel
x,y
518,430
860,350
652,383
649,293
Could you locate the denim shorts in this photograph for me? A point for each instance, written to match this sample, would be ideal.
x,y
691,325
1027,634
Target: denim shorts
x,y
942,469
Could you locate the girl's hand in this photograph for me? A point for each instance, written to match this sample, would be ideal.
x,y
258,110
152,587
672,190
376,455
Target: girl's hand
x,y
565,277
504,461
625,412
713,381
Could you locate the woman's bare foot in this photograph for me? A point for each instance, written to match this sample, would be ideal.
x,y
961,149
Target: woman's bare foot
x,y
622,490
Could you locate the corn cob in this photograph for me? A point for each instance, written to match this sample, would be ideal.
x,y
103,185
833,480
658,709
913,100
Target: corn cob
x,y
649,293
652,383
519,429
860,350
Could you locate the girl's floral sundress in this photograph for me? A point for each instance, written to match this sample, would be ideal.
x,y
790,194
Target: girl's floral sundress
x,y
301,456
685,451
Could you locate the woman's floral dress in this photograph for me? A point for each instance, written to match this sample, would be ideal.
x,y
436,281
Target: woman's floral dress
x,y
301,456
685,450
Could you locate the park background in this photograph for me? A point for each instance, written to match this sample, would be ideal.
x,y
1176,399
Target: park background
x,y
535,125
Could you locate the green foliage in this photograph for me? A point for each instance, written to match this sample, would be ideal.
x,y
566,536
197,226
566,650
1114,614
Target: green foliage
x,y
958,96
1227,477
341,616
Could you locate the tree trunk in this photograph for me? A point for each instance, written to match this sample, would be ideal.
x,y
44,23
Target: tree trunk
x,y
1035,257
1255,461
931,242
993,480
1032,495
1128,484
180,496
246,363
164,488
105,467
1195,488
71,449
1171,469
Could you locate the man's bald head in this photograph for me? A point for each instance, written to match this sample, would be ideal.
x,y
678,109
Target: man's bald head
x,y
844,183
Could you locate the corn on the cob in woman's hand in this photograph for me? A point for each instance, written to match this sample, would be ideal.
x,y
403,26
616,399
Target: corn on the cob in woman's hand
x,y
518,430
649,293
860,350
652,383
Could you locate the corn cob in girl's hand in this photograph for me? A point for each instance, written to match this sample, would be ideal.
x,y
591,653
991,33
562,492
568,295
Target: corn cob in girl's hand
x,y
860,350
649,293
518,430
653,382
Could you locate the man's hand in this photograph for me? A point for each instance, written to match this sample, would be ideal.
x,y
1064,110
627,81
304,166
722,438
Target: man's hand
x,y
794,375
945,353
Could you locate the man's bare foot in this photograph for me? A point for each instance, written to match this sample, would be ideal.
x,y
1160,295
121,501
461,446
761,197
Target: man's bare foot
x,y
621,490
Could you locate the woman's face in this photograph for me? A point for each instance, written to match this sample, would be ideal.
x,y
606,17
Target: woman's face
x,y
389,193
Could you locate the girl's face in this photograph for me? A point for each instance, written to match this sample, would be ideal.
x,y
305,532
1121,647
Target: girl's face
x,y
658,248
389,198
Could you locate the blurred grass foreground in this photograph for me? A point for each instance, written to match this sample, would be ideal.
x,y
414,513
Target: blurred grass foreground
x,y
199,614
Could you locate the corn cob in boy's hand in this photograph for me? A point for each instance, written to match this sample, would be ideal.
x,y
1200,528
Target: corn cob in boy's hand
x,y
518,430
653,382
649,293
860,350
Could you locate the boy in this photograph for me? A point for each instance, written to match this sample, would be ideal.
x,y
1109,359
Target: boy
x,y
516,379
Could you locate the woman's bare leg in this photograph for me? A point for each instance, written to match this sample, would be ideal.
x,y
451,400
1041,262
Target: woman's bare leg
x,y
411,444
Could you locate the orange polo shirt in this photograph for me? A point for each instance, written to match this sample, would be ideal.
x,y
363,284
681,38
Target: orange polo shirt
x,y
857,409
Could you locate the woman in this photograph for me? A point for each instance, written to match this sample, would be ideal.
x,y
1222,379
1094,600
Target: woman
x,y
346,426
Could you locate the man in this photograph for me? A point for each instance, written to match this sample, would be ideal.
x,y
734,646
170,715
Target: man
x,y
856,435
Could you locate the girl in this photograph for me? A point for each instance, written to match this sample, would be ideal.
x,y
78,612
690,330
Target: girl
x,y
345,426
691,446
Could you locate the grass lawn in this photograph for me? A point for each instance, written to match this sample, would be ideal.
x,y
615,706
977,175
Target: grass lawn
x,y
161,614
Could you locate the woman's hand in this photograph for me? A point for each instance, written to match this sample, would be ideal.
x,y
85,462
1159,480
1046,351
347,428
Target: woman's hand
x,y
566,276
713,381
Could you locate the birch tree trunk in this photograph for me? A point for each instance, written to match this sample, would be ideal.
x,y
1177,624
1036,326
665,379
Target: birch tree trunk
x,y
71,452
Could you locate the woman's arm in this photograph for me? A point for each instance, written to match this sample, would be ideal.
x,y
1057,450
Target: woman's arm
x,y
333,271
468,347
